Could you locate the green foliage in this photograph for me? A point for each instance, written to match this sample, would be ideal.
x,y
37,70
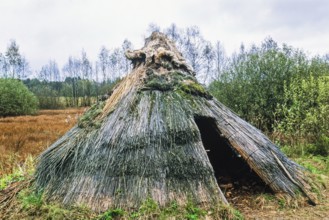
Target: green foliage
x,y
304,114
16,99
30,199
320,147
193,212
111,214
151,210
172,209
19,173
7,179
315,164
280,90
34,207
282,203
253,83
149,206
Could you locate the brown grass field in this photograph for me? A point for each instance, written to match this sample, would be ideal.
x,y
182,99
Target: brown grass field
x,y
30,135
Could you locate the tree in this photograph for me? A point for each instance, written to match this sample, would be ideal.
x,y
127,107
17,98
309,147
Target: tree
x,y
208,56
4,67
173,32
219,59
103,58
126,45
23,69
86,72
14,58
50,72
193,45
16,99
153,28
72,68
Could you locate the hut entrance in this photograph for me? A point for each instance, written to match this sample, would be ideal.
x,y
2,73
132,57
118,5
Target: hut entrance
x,y
231,171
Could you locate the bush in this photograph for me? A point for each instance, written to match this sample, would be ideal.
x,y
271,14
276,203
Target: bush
x,y
304,115
16,99
320,147
253,82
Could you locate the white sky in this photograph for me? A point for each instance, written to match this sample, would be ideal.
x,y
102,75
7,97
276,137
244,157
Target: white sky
x,y
55,29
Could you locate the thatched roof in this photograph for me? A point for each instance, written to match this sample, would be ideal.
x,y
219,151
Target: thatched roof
x,y
151,138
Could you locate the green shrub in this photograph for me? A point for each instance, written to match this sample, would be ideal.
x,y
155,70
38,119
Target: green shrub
x,y
304,115
320,147
16,99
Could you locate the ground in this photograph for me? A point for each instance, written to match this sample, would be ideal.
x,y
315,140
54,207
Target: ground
x,y
30,135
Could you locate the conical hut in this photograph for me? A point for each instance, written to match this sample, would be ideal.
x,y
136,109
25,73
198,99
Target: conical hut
x,y
160,135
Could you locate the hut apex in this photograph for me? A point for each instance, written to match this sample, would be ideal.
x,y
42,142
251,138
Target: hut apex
x,y
161,135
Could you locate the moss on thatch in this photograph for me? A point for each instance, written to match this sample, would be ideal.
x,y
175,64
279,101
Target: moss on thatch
x,y
89,119
174,80
149,143
194,88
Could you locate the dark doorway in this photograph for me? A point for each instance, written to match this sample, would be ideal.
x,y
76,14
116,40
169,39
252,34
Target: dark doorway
x,y
230,169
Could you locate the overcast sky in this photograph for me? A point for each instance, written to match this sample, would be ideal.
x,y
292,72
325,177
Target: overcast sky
x,y
55,29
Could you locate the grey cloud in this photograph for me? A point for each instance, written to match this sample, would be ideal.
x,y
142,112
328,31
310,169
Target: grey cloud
x,y
310,14
257,15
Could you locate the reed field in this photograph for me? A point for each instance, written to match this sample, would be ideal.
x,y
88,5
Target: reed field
x,y
30,135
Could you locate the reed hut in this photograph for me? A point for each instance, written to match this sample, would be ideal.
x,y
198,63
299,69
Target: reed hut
x,y
160,135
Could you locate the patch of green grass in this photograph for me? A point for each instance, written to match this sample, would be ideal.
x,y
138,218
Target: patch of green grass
x,y
149,206
112,214
282,203
7,179
193,212
315,164
151,210
30,199
33,206
172,209
19,173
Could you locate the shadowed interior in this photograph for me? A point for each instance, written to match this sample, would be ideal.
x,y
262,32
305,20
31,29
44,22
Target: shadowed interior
x,y
228,165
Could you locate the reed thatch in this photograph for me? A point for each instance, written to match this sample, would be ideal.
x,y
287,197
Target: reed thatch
x,y
160,135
